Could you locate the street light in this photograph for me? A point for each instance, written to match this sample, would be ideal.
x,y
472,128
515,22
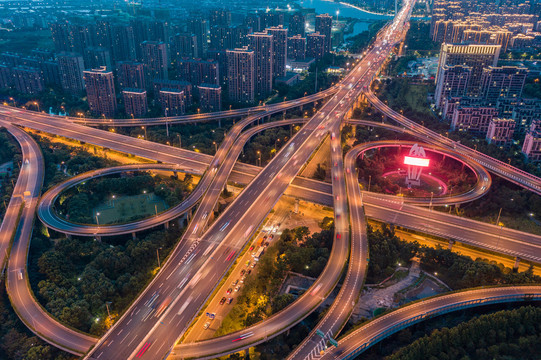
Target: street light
x,y
97,221
145,128
37,104
179,141
158,256
215,146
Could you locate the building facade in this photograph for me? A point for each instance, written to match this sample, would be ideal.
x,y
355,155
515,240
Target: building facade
x,y
210,97
100,91
240,75
135,102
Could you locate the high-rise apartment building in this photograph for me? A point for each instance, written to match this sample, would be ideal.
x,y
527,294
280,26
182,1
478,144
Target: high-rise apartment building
x,y
172,102
131,74
210,97
502,82
279,48
500,131
124,45
199,71
135,102
532,143
262,46
240,75
324,27
315,45
296,47
477,57
453,81
100,91
95,57
71,67
27,80
60,32
184,45
155,58
199,27
177,85
220,17
297,25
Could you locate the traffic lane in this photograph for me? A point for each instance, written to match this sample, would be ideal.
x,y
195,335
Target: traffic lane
x,y
370,331
437,224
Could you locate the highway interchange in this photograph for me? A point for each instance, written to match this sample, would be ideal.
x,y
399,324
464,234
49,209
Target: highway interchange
x,y
207,252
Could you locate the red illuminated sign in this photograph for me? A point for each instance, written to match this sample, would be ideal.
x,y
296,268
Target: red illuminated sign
x,y
423,162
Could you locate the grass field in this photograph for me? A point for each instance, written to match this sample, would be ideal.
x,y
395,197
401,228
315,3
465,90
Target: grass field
x,y
128,208
24,41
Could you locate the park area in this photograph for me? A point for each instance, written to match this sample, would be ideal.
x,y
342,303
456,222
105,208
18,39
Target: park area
x,y
125,208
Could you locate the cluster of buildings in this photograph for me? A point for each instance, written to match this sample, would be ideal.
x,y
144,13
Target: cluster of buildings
x,y
172,65
473,92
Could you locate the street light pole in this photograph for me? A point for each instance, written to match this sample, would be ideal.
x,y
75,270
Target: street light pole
x,y
369,181
97,221
431,196
158,256
179,141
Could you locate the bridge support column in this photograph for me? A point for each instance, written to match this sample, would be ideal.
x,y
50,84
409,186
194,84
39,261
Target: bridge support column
x,y
219,123
133,236
517,263
175,174
166,225
451,243
98,238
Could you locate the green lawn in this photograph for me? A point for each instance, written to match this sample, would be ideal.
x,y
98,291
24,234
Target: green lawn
x,y
128,208
24,41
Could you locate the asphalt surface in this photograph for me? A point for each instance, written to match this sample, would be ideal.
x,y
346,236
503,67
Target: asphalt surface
x,y
18,287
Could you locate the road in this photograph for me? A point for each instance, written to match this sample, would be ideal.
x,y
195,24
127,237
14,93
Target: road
x,y
18,287
263,110
379,328
506,171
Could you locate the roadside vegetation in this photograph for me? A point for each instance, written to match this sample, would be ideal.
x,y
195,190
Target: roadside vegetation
x,y
9,151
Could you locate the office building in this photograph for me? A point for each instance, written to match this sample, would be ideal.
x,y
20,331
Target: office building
x,y
172,102
100,91
262,46
210,97
315,45
197,71
131,74
453,82
27,80
296,47
135,102
324,27
477,57
155,59
532,143
70,67
502,82
500,131
240,75
297,25
279,48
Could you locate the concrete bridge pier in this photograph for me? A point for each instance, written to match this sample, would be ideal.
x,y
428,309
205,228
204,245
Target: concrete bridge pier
x,y
517,263
451,243
166,225
133,236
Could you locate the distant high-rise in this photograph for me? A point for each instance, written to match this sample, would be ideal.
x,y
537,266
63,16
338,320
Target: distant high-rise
x,y
262,45
532,142
100,91
220,17
135,102
502,82
221,37
184,45
477,57
178,85
296,47
240,75
172,102
199,27
71,66
253,21
155,59
279,46
6,78
271,18
315,45
297,25
199,71
324,27
80,37
60,32
210,97
95,57
452,82
131,74
27,80
124,45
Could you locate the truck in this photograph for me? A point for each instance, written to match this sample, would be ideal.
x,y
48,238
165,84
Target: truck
x,y
259,252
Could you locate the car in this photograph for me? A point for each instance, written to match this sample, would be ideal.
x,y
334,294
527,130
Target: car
x,y
229,301
338,236
247,263
206,326
234,283
266,244
336,163
253,265
242,279
251,248
223,300
242,272
237,288
348,171
249,271
229,291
